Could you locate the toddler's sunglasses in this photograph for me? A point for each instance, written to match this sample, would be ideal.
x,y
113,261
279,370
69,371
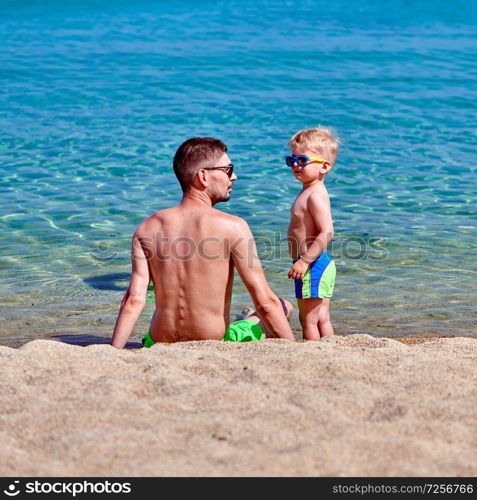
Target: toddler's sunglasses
x,y
301,160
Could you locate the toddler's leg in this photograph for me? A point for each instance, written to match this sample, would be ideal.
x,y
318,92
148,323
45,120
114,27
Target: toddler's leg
x,y
309,317
324,322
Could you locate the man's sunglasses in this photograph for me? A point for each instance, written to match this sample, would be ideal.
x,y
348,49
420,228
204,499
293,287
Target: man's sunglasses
x,y
301,160
228,169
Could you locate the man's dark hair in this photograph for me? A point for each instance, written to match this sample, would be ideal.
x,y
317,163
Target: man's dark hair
x,y
194,154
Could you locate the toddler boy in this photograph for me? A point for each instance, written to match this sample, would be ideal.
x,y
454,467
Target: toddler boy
x,y
314,152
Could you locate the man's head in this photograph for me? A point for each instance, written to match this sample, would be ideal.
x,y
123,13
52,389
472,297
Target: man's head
x,y
320,145
203,162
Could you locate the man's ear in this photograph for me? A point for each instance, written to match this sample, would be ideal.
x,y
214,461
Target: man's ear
x,y
201,178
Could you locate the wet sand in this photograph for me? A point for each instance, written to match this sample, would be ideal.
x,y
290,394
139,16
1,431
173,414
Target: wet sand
x,y
345,406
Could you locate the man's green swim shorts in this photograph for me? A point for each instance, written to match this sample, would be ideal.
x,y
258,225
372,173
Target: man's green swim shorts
x,y
244,330
147,340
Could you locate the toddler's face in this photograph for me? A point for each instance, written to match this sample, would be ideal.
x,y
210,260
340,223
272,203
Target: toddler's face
x,y
312,170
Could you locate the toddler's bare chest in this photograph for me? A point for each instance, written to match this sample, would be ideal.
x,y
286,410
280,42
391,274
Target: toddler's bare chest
x,y
299,210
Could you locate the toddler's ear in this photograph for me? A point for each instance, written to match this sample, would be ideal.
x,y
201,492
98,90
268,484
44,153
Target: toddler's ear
x,y
326,167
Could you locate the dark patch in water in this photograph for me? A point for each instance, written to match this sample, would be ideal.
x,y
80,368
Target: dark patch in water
x,y
108,281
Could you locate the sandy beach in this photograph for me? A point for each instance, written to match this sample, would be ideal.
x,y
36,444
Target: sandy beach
x,y
344,406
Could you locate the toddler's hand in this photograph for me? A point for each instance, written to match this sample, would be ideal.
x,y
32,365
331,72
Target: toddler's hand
x,y
298,270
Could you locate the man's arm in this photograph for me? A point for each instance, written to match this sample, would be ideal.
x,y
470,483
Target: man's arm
x,y
267,304
134,299
320,211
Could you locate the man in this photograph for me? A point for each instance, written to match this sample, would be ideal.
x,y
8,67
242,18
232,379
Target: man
x,y
189,252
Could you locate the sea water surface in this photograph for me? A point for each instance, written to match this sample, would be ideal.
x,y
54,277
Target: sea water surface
x,y
96,96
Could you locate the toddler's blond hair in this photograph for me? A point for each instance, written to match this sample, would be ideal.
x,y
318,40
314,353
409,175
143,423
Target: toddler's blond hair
x,y
320,140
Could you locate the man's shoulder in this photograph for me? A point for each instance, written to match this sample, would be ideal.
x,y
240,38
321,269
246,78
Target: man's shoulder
x,y
228,220
226,217
156,219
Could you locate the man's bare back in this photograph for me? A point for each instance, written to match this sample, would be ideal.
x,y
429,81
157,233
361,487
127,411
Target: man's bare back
x,y
190,252
192,271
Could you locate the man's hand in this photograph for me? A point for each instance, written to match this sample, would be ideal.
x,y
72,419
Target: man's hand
x,y
298,270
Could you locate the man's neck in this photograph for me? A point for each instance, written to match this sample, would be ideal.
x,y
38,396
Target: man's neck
x,y
195,198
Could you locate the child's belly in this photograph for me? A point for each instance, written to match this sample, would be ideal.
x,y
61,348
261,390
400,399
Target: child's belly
x,y
300,237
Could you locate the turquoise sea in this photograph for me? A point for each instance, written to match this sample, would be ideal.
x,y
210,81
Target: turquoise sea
x,y
96,96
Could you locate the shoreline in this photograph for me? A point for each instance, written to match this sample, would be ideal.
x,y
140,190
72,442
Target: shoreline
x,y
135,342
